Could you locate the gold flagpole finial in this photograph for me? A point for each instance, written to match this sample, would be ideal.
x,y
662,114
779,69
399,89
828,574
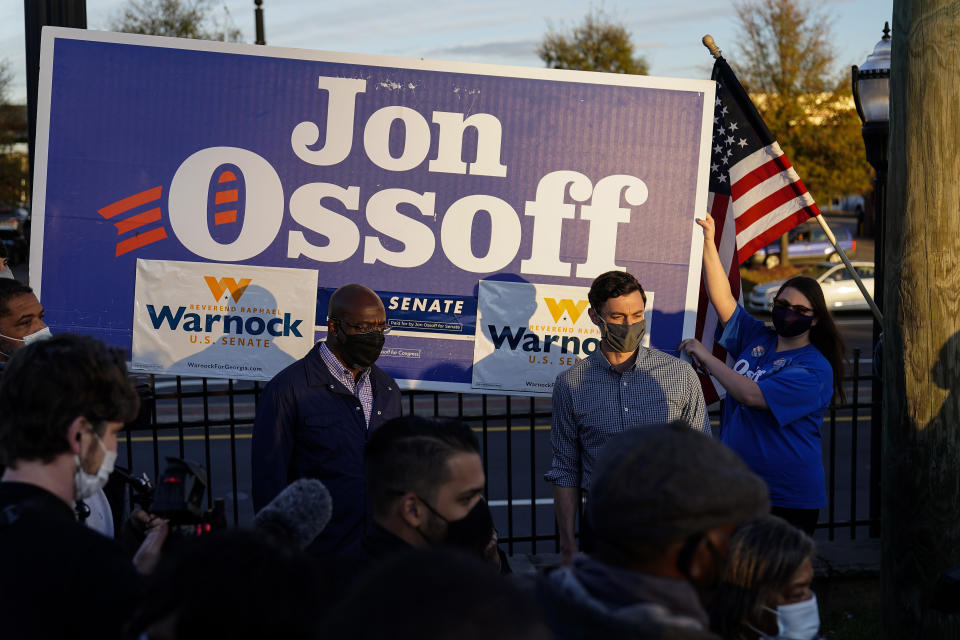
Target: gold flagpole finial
x,y
712,46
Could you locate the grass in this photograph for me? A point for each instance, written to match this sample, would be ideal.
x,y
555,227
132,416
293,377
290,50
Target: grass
x,y
849,607
751,277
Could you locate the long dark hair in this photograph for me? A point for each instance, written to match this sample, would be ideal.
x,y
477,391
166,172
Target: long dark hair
x,y
764,556
824,335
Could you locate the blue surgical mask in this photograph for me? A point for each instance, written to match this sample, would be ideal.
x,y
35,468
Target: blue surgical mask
x,y
797,621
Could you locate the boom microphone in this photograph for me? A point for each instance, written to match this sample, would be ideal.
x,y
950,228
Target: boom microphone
x,y
298,514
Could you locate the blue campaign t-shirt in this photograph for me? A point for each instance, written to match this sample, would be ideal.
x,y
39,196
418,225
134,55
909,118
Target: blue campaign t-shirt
x,y
781,444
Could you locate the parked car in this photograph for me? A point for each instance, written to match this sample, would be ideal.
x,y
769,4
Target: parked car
x,y
853,204
15,233
808,243
840,290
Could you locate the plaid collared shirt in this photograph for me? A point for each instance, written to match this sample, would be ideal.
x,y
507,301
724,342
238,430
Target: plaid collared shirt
x,y
592,402
360,387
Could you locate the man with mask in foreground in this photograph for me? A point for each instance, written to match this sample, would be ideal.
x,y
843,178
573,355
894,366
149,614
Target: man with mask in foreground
x,y
619,386
62,402
425,480
663,504
314,418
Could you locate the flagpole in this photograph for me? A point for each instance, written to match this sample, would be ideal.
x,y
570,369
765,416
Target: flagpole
x,y
853,272
711,45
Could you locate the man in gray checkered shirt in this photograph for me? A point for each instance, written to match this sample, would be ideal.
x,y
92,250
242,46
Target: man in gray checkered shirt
x,y
620,386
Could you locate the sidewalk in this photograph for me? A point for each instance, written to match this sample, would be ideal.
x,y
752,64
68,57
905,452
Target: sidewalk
x,y
836,558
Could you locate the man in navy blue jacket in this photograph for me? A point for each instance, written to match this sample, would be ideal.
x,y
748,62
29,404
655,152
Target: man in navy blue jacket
x,y
315,417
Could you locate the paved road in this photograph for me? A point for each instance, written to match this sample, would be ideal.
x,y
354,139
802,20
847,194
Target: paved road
x,y
512,485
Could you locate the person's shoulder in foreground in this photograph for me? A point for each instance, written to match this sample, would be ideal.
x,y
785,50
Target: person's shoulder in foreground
x,y
663,505
64,401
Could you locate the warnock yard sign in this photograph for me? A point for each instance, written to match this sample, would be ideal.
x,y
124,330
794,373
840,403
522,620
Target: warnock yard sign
x,y
416,178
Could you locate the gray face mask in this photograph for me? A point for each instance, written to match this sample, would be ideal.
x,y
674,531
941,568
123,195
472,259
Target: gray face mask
x,y
623,338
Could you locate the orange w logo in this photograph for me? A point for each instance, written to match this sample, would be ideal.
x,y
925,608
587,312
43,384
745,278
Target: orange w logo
x,y
557,309
227,284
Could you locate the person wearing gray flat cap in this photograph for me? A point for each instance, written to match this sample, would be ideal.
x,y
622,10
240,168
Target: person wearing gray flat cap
x,y
663,503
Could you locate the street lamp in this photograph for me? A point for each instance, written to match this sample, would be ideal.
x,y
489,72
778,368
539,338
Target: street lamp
x,y
258,20
871,95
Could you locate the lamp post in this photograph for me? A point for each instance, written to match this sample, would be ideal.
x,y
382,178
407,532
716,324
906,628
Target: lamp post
x,y
871,95
258,20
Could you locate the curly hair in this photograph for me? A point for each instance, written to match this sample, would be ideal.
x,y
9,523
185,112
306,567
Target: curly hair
x,y
10,289
48,384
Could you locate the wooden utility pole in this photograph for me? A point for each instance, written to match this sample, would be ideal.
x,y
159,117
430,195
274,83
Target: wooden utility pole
x,y
921,350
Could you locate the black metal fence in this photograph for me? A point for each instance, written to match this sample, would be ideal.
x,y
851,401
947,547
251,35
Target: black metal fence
x,y
210,421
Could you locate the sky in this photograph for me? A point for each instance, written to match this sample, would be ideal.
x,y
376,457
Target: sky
x,y
503,32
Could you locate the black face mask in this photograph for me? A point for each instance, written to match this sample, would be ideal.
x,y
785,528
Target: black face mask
x,y
789,323
360,350
472,532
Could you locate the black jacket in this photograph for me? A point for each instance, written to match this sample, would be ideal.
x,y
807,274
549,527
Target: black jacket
x,y
380,544
595,600
58,579
308,425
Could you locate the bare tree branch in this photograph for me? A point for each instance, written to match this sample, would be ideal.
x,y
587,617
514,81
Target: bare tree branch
x,y
199,19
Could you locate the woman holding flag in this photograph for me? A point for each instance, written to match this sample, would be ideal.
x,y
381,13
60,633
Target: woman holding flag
x,y
780,387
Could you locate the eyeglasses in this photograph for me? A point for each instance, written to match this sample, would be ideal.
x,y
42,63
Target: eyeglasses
x,y
366,328
797,308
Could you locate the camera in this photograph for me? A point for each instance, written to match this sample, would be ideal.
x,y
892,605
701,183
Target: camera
x,y
178,498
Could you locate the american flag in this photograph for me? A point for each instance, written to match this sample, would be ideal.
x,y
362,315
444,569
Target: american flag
x,y
755,195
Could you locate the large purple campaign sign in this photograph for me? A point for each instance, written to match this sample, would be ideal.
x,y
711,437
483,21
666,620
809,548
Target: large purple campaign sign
x,y
416,178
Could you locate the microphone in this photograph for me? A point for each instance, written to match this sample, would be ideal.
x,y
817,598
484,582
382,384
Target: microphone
x,y
82,510
298,514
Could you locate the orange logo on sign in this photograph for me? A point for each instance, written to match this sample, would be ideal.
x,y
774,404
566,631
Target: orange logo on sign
x,y
565,305
218,288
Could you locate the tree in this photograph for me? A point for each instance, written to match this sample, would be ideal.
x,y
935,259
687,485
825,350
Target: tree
x,y
177,18
597,44
787,62
786,56
826,147
786,48
13,174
